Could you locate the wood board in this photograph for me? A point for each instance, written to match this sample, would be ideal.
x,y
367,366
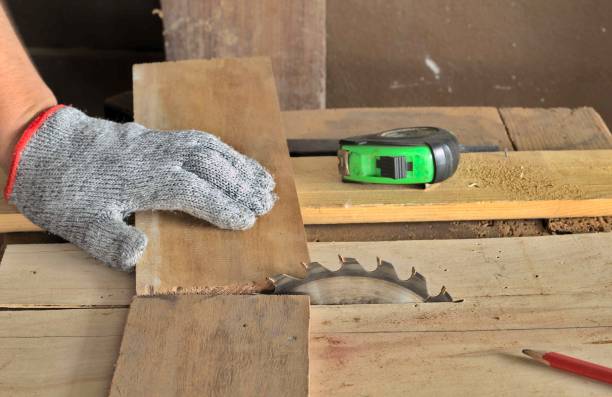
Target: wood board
x,y
538,291
236,99
379,350
518,266
556,129
214,346
473,126
63,353
513,185
519,185
553,129
291,33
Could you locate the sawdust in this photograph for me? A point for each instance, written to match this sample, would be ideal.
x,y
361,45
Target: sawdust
x,y
232,289
517,180
579,225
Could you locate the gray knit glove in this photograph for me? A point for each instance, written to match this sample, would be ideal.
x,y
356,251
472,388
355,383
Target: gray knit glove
x,y
79,177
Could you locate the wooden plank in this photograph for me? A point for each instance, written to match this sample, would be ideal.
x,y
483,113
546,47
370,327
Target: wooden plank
x,y
516,185
59,275
472,125
212,96
556,129
292,33
375,349
551,129
474,363
487,186
520,266
215,346
59,352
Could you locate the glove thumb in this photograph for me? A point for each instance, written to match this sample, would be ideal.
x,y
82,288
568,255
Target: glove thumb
x,y
115,243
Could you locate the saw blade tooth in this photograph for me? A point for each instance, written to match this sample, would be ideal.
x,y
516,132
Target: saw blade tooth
x,y
304,265
316,268
351,264
386,269
443,296
378,261
417,276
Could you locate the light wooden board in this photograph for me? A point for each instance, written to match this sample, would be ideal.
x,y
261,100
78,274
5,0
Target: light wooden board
x,y
519,185
376,350
539,292
214,346
568,129
472,125
497,267
235,99
59,275
556,129
516,185
67,353
292,33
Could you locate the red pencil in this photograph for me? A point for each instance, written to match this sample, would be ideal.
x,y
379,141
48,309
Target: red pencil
x,y
571,364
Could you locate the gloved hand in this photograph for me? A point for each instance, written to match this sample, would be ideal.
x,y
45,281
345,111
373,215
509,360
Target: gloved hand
x,y
79,177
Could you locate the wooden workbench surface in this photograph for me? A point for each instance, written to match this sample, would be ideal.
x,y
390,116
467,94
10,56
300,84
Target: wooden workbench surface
x,y
538,292
548,292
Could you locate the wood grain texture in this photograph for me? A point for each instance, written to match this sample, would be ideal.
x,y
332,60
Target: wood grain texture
x,y
236,99
540,292
556,129
369,348
519,266
63,353
215,346
472,125
523,185
516,185
59,275
568,129
291,33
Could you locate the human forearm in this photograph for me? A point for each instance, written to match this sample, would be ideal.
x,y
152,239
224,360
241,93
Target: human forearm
x,y
23,94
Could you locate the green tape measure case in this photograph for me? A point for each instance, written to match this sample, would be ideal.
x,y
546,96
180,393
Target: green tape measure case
x,y
402,156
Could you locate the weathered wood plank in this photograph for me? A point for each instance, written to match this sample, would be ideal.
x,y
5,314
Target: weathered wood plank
x,y
292,33
214,346
235,99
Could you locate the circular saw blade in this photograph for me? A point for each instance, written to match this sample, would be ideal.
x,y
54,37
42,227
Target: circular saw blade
x,y
352,284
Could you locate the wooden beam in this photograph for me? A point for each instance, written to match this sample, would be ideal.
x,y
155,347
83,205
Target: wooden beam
x,y
516,185
236,100
292,33
214,346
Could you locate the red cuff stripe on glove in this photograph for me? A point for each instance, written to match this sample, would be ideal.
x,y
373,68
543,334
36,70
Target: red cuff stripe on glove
x,y
21,144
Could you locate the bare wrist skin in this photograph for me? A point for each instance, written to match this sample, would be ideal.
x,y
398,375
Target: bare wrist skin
x,y
23,94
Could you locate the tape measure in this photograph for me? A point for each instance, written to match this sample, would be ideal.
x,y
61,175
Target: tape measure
x,y
402,156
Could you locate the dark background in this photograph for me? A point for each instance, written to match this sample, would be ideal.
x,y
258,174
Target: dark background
x,y
532,53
